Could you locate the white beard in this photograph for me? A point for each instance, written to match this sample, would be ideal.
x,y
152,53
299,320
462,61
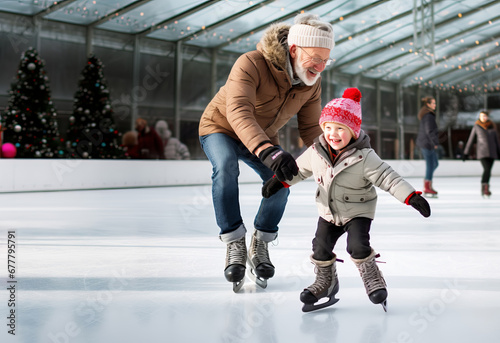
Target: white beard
x,y
303,73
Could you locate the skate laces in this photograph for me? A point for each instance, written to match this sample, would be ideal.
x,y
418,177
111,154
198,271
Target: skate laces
x,y
324,277
237,252
372,276
276,242
377,256
259,251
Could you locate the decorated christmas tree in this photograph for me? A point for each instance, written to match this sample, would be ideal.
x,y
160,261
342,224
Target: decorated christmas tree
x,y
30,119
92,132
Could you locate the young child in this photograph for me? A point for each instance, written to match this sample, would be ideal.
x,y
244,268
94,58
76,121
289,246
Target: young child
x,y
346,170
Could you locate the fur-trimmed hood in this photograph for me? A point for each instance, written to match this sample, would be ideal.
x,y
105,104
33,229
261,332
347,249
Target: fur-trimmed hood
x,y
274,45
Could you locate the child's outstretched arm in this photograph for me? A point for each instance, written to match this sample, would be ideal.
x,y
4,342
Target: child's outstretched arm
x,y
419,203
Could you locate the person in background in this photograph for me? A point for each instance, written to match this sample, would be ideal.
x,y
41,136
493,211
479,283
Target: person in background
x,y
131,144
484,133
264,90
150,145
173,148
459,151
428,142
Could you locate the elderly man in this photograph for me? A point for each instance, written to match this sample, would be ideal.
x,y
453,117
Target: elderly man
x,y
265,89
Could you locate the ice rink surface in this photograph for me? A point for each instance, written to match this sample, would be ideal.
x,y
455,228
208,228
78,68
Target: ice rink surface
x,y
146,265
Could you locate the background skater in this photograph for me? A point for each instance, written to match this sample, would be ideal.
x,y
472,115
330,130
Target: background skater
x,y
428,142
484,132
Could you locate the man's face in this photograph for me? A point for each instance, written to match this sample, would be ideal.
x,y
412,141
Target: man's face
x,y
308,63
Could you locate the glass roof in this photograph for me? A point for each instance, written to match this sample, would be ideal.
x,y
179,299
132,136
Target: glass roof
x,y
149,15
85,12
30,7
374,38
200,25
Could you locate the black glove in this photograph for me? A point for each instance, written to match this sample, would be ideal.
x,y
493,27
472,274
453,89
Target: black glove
x,y
271,187
280,162
465,157
420,204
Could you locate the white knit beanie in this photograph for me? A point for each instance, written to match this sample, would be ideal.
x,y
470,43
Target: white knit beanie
x,y
309,31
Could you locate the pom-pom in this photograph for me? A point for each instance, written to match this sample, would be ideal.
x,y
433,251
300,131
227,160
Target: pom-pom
x,y
352,93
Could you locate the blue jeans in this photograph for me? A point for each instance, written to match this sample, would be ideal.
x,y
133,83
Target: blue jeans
x,y
431,162
224,153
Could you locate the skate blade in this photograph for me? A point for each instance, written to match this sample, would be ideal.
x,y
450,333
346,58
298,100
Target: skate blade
x,y
316,306
238,285
384,305
262,283
432,196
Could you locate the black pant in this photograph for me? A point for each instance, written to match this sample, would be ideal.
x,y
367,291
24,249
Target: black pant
x,y
487,166
327,234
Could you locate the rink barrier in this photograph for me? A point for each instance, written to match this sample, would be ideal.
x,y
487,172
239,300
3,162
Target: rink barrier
x,y
28,175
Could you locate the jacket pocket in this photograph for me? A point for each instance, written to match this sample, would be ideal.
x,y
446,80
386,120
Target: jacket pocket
x,y
360,204
358,198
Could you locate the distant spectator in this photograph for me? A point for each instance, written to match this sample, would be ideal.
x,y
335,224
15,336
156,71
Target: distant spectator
x,y
173,148
484,133
441,151
150,145
131,144
459,151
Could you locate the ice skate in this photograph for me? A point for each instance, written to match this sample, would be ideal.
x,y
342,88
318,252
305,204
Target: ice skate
x,y
374,282
485,190
325,286
428,191
258,260
236,255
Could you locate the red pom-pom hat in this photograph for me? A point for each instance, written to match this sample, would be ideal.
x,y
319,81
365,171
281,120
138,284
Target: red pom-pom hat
x,y
345,110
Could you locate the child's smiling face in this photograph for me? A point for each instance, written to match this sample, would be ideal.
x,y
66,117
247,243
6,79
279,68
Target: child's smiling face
x,y
337,135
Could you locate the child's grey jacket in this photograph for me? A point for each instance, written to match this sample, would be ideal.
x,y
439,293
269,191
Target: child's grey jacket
x,y
346,190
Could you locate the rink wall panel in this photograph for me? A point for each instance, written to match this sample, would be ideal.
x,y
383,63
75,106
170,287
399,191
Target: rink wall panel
x,y
25,175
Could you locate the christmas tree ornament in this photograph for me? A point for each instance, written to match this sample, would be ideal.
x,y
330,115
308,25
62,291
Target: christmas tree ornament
x,y
8,150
